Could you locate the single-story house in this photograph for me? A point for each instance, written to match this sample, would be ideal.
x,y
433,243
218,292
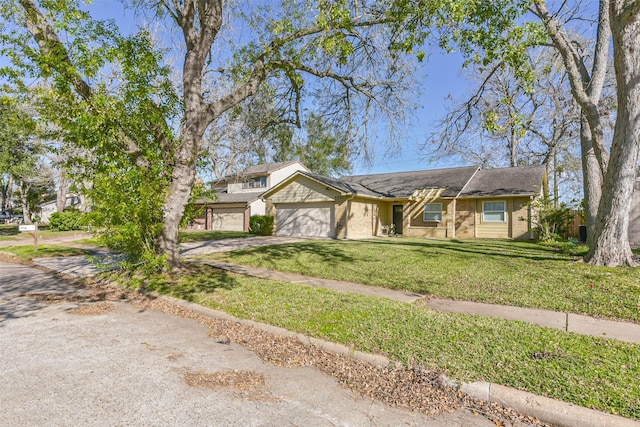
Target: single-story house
x,y
238,197
463,202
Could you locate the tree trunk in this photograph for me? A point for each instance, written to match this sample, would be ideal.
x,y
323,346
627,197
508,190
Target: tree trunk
x,y
611,246
24,204
178,195
591,180
513,150
61,193
7,194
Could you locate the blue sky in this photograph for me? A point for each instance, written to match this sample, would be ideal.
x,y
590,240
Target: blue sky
x,y
439,78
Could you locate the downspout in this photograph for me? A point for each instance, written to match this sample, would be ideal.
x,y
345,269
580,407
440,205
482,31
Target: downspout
x,y
475,218
532,234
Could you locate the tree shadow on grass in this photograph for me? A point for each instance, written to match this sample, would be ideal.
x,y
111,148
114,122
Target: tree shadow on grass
x,y
196,280
497,248
325,251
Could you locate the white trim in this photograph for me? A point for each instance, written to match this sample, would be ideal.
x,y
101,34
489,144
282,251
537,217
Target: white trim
x,y
504,211
424,212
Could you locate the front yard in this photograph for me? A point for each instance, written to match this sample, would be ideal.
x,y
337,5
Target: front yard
x,y
593,372
513,273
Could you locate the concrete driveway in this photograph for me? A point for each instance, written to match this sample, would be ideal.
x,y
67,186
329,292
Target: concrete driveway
x,y
106,363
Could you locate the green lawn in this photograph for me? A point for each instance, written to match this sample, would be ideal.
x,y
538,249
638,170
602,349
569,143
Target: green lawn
x,y
11,232
593,372
501,272
26,253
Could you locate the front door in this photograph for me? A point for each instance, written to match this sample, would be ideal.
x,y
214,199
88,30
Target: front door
x,y
397,218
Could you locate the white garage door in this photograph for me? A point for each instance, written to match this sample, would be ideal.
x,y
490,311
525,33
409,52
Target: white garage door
x,y
311,219
227,220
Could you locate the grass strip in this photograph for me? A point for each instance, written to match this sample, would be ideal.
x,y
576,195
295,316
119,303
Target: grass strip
x,y
513,273
26,253
592,372
201,236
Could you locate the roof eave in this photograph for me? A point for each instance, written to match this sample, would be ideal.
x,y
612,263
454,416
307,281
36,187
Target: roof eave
x,y
292,178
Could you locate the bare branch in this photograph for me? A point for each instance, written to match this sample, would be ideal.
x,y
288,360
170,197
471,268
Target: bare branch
x,y
579,79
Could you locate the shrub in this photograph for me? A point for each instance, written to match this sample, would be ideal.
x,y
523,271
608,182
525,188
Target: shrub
x,y
261,225
549,222
65,221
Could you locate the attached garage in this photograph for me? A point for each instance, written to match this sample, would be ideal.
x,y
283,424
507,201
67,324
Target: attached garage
x,y
309,219
468,201
228,219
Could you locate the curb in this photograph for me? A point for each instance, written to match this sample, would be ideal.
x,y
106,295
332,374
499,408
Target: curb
x,y
552,411
373,359
548,410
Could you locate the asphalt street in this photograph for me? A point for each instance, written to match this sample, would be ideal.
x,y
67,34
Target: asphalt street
x,y
112,363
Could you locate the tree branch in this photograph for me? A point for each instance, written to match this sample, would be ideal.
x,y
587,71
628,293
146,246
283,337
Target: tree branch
x,y
51,46
578,79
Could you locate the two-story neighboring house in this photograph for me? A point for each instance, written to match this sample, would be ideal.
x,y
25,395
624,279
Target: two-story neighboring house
x,y
238,197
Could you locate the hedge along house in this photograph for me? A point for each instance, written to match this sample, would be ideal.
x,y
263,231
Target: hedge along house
x,y
465,202
238,197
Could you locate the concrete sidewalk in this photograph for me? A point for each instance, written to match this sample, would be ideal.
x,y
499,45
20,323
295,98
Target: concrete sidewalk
x,y
570,322
80,266
548,410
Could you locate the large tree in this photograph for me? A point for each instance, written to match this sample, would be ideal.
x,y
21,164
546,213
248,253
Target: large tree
x,y
503,31
505,123
253,135
340,53
609,178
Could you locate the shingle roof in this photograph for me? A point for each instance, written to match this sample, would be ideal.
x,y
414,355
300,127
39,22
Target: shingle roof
x,y
341,184
520,181
265,168
404,184
467,181
224,197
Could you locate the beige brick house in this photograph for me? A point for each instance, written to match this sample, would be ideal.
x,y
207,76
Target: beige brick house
x,y
465,202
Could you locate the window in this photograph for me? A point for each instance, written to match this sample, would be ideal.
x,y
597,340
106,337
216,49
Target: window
x,y
432,212
260,182
493,211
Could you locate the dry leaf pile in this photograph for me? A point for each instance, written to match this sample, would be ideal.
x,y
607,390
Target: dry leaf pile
x,y
415,389
93,309
236,379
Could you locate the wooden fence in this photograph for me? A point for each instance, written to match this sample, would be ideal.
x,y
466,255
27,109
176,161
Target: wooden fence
x,y
572,230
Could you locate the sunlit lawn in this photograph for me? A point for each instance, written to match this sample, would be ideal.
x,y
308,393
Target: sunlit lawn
x,y
513,273
12,232
27,253
592,372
